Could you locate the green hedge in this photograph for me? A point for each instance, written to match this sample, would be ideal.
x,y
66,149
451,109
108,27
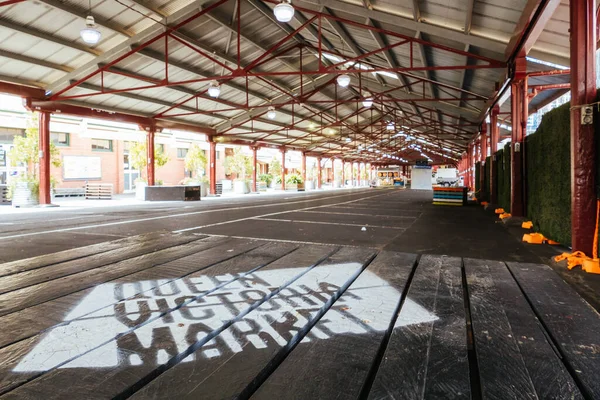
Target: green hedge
x,y
486,180
548,176
477,185
503,173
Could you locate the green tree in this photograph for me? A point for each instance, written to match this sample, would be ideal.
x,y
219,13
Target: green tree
x,y
238,164
275,168
195,160
139,158
26,150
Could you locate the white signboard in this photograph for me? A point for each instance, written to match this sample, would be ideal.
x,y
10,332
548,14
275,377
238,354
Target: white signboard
x,y
82,167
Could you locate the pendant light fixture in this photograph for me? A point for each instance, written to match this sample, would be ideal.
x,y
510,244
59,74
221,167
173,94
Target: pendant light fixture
x,y
271,114
367,103
284,11
343,80
214,90
390,126
90,34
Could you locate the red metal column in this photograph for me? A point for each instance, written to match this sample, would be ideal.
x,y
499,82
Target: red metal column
x,y
212,169
494,136
519,103
254,168
303,167
319,173
583,149
469,183
44,145
283,151
150,153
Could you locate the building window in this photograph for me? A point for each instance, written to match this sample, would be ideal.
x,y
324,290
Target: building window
x,y
102,145
218,154
59,138
181,153
161,148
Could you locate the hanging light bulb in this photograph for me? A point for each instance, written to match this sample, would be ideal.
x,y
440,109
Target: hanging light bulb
x,y
90,34
390,126
214,90
368,102
348,139
271,114
284,12
343,80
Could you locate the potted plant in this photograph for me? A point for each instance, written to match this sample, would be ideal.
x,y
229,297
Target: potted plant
x,y
275,172
264,181
294,182
195,161
240,165
24,189
139,160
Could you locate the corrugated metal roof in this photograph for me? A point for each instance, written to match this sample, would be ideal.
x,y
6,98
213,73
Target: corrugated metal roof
x,y
40,44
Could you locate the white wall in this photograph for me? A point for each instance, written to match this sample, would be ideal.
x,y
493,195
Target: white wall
x,y
421,179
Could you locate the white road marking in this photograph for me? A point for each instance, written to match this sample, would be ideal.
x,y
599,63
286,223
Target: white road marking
x,y
327,223
165,217
289,241
365,215
267,215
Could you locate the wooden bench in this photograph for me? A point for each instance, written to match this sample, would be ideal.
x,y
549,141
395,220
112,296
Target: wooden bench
x,y
99,191
69,192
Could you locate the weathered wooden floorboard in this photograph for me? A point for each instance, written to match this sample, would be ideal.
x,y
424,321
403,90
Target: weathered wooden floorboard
x,y
426,357
33,320
13,267
502,369
548,374
58,270
336,367
571,321
42,292
68,339
242,351
157,332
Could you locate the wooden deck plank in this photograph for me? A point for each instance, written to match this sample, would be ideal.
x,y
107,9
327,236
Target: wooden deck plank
x,y
358,320
428,359
32,320
32,263
107,299
502,369
239,354
548,374
154,338
148,244
572,323
20,299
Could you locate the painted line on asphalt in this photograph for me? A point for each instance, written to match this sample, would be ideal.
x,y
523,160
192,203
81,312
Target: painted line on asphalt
x,y
76,228
326,223
268,215
364,215
291,241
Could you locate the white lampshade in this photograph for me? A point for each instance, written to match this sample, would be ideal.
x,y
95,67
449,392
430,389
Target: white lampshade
x,y
390,126
348,139
284,12
214,90
367,103
343,80
90,34
271,114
